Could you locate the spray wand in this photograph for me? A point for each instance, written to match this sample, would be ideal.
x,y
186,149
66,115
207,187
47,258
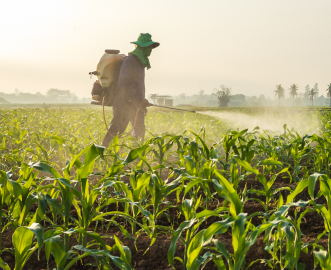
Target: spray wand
x,y
150,104
171,108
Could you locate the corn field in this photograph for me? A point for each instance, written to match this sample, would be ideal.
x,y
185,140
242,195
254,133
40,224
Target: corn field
x,y
194,194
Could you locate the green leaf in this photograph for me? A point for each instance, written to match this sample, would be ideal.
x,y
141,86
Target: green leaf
x,y
4,265
173,244
244,164
91,154
42,150
270,162
322,257
300,187
41,166
192,184
93,235
59,139
311,183
206,213
15,189
217,228
38,232
22,241
57,250
48,244
124,251
221,248
97,254
133,154
229,193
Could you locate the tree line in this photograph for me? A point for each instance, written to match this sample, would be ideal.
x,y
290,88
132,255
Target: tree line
x,y
293,91
224,95
53,95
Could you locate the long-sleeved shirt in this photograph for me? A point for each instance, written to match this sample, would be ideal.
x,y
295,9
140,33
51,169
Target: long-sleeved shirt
x,y
130,88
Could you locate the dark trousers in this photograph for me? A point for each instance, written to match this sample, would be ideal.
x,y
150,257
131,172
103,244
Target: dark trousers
x,y
120,121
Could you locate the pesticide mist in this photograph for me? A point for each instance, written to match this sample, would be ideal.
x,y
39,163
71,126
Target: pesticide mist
x,y
301,122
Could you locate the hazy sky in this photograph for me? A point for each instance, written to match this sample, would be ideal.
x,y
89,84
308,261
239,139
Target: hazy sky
x,y
249,45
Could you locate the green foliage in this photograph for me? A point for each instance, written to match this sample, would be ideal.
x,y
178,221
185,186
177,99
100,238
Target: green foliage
x,y
57,184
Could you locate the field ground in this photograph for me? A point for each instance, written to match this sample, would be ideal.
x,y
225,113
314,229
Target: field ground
x,y
201,190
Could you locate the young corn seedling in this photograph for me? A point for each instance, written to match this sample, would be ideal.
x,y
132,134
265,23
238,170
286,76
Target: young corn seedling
x,y
162,147
299,150
22,196
268,185
322,154
229,142
66,192
87,198
23,240
195,241
242,238
3,197
193,238
64,260
135,192
322,256
283,237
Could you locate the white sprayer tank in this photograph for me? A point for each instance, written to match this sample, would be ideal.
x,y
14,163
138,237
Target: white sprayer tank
x,y
108,67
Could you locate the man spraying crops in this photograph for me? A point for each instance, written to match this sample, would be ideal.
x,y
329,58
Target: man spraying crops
x,y
130,102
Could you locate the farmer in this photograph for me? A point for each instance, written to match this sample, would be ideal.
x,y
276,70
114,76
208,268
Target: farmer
x,y
130,102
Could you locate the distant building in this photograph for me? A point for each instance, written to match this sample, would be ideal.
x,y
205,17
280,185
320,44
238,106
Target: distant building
x,y
165,100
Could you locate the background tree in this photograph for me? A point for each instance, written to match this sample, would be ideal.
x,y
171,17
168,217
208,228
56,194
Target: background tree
x,y
182,96
307,90
294,91
153,97
201,92
312,93
262,100
279,92
59,95
328,91
316,90
223,94
200,98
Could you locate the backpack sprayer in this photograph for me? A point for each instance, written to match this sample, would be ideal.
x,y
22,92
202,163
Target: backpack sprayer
x,y
108,70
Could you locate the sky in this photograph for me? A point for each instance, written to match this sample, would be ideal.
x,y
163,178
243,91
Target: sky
x,y
248,45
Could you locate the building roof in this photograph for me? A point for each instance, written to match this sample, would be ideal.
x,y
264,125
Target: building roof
x,y
164,97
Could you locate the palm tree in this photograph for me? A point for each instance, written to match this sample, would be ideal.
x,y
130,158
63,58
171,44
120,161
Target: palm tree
x,y
311,93
329,92
294,91
279,92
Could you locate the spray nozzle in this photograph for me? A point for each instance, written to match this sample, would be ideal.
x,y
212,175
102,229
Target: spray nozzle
x,y
96,73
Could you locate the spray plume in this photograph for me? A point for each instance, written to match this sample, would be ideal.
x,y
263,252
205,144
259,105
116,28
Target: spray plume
x,y
301,122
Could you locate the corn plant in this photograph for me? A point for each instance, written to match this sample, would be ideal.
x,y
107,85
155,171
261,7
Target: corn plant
x,y
283,237
22,241
3,196
193,238
322,256
268,185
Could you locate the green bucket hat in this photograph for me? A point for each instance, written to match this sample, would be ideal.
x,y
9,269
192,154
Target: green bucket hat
x,y
145,40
